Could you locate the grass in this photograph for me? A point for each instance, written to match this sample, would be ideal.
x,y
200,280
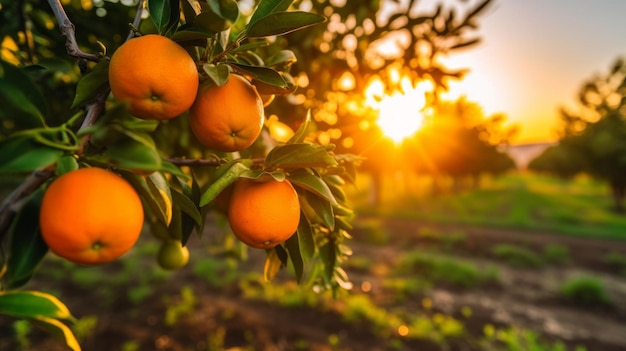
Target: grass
x,y
517,256
579,207
446,270
587,291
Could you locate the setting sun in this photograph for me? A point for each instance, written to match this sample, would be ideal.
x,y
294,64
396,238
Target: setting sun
x,y
400,114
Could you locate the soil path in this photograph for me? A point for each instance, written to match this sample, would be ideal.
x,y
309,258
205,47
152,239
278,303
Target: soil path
x,y
528,298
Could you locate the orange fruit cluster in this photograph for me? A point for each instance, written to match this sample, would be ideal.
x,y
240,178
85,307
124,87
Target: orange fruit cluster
x,y
159,80
91,215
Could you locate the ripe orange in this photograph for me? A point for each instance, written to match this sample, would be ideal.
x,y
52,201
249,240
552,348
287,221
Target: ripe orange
x,y
156,76
229,117
90,216
263,214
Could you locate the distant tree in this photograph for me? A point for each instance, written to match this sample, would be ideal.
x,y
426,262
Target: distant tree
x,y
470,147
361,42
593,141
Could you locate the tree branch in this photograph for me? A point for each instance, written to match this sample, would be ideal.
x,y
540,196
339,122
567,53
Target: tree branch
x,y
67,29
8,210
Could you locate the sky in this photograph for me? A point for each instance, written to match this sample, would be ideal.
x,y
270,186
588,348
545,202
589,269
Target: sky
x,y
535,56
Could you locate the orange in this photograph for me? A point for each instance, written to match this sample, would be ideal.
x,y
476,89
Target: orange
x,y
156,76
263,214
90,216
229,117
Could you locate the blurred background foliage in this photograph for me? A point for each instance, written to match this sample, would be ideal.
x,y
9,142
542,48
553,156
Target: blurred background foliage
x,y
341,65
593,138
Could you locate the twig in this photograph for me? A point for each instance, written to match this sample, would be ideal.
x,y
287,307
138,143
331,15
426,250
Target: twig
x,y
34,181
67,29
140,7
193,162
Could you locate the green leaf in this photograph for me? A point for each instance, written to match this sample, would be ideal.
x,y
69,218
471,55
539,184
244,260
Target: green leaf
x,y
130,124
59,330
322,208
193,32
26,246
17,110
226,9
171,168
217,73
293,247
18,82
305,238
313,184
187,206
267,7
303,131
262,74
160,11
23,154
190,10
160,191
91,84
281,58
211,22
175,227
302,155
173,19
282,255
32,304
328,254
133,155
66,164
270,88
272,265
232,172
249,46
280,23
152,198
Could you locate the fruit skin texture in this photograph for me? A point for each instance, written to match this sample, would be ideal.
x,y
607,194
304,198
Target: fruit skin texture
x,y
227,118
90,216
156,76
263,214
172,255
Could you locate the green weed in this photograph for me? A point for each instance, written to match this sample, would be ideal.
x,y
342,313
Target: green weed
x,y
441,269
179,307
85,327
588,291
616,260
372,231
131,345
556,254
517,339
405,287
21,330
517,256
217,272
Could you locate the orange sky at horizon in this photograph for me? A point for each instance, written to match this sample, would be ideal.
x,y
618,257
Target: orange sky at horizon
x,y
535,56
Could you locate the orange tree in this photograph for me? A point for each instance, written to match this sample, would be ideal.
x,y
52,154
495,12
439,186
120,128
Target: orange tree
x,y
164,124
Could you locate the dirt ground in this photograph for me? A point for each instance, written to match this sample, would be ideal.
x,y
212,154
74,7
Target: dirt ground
x,y
224,319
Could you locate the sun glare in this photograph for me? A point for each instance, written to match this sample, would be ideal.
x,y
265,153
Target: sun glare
x,y
400,114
